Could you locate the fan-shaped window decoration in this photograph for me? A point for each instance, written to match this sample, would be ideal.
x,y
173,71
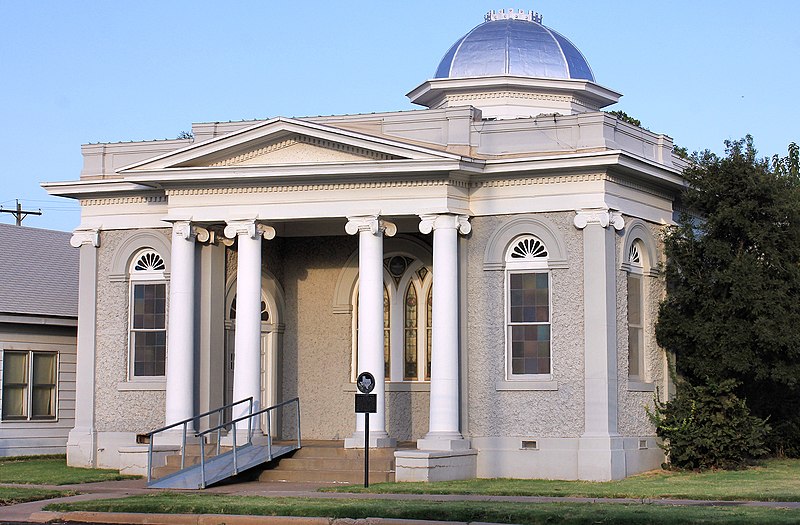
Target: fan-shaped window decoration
x,y
527,248
264,311
148,261
635,254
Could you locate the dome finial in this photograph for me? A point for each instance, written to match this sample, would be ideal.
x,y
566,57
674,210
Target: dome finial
x,y
520,14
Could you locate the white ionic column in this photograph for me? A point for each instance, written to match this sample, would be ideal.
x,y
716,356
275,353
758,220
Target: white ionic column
x,y
82,440
600,453
370,231
180,334
247,365
444,427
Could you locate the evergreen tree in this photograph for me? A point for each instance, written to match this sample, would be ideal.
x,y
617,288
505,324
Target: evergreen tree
x,y
733,271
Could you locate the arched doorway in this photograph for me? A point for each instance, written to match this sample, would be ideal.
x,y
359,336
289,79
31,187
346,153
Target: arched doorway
x,y
271,343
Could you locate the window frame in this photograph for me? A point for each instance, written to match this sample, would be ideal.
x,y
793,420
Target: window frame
x,y
635,269
531,265
396,290
145,278
30,386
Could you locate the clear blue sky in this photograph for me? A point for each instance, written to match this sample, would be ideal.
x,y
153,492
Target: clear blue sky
x,y
101,71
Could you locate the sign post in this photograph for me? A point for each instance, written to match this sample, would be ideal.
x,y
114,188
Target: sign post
x,y
366,404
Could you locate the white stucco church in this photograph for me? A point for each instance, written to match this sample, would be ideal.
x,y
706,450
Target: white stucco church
x,y
491,258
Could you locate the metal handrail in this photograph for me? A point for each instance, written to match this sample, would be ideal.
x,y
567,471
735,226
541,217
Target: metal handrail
x,y
185,423
249,417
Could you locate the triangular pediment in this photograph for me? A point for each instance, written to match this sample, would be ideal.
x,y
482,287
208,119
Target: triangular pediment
x,y
299,149
282,142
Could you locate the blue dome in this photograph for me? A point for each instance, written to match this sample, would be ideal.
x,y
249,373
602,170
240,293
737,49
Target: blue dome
x,y
514,47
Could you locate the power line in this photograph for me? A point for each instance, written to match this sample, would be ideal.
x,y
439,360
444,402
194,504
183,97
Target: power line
x,y
19,213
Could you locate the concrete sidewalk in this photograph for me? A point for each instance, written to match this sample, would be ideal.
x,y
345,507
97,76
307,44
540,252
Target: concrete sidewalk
x,y
32,511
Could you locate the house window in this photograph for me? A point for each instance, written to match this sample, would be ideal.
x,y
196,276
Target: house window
x,y
29,385
148,316
636,365
407,300
528,307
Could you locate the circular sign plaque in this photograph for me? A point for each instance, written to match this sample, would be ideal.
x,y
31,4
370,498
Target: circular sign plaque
x,y
365,382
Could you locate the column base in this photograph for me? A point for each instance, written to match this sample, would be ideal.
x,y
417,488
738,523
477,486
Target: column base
x,y
601,458
376,440
82,448
443,441
435,465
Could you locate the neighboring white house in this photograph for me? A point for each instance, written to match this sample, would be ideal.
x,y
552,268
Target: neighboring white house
x,y
492,259
38,324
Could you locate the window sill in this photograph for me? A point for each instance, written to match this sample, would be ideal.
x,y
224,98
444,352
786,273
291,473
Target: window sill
x,y
526,385
15,420
639,386
142,386
404,386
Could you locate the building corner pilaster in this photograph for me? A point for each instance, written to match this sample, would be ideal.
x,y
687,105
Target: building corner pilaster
x,y
82,438
600,453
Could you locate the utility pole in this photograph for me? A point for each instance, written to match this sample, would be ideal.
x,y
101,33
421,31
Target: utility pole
x,y
19,213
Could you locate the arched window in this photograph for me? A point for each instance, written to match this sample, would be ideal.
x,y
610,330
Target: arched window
x,y
407,299
147,316
387,310
528,309
636,348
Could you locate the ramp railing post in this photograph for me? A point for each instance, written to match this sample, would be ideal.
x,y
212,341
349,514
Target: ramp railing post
x,y
183,447
269,434
202,463
297,400
235,459
149,459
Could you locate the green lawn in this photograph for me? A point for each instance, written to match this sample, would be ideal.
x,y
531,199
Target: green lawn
x,y
465,511
773,480
51,470
14,495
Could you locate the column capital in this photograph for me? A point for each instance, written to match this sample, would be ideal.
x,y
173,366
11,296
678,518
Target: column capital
x,y
602,216
371,223
435,221
83,236
248,227
188,231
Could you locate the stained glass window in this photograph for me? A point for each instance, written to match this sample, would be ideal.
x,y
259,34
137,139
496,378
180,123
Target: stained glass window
x,y
410,334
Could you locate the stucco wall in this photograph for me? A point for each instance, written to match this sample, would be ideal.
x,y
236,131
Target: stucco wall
x,y
632,415
119,410
556,413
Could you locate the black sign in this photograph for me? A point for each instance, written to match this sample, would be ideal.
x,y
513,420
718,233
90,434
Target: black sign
x,y
365,382
366,403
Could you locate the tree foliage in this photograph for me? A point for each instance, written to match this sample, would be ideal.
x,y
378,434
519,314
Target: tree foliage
x,y
708,426
733,271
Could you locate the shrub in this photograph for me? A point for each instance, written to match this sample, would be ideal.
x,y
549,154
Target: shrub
x,y
708,426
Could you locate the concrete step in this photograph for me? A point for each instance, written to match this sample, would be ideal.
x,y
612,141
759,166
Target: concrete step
x,y
312,463
311,451
325,476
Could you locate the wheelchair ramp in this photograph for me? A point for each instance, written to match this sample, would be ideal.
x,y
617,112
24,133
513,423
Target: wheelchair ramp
x,y
221,467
